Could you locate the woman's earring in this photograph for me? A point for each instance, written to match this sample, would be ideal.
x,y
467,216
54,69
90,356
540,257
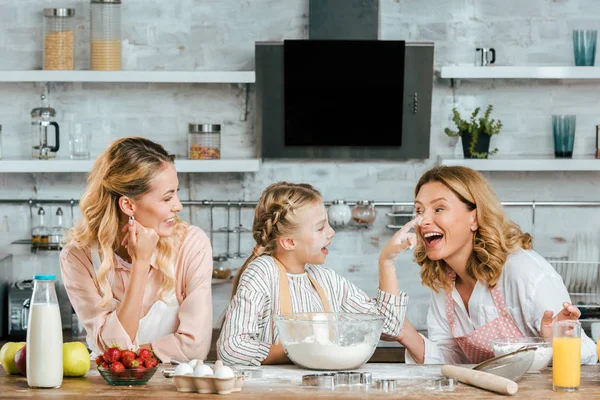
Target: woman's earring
x,y
131,220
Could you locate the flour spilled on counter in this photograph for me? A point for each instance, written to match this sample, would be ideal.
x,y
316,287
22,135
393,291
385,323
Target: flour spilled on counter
x,y
325,355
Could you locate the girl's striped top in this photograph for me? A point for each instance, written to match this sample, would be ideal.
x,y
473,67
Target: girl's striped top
x,y
248,330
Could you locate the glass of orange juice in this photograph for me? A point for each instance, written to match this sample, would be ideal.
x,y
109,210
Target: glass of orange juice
x,y
566,355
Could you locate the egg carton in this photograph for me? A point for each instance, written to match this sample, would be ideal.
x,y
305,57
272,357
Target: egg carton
x,y
208,384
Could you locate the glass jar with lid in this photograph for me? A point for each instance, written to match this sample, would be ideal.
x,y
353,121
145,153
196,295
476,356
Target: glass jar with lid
x,y
105,35
59,38
363,212
204,141
339,213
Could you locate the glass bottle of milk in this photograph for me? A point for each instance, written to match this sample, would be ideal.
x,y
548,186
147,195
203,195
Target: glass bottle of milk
x,y
44,336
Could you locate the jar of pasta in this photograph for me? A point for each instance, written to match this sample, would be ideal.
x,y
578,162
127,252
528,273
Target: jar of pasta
x,y
204,141
59,38
105,35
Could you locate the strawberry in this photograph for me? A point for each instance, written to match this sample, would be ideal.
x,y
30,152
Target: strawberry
x,y
112,354
127,356
150,362
99,360
144,353
133,364
140,360
117,367
105,365
140,372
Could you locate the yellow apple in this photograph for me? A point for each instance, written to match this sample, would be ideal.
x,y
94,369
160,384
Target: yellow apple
x,y
7,356
76,359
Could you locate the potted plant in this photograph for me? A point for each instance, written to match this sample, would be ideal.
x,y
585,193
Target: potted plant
x,y
475,133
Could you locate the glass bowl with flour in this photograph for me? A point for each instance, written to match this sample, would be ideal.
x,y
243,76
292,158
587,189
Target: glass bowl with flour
x,y
543,349
329,341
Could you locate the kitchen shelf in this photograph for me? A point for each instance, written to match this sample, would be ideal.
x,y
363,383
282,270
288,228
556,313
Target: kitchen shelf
x,y
527,164
129,76
531,72
183,166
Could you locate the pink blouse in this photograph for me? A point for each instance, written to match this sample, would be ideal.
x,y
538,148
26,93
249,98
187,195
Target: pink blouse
x,y
193,274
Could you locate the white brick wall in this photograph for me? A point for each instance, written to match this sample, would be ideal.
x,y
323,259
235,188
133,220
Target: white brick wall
x,y
205,35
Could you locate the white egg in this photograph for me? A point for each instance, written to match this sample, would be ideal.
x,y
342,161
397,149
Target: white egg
x,y
223,371
193,363
183,369
202,370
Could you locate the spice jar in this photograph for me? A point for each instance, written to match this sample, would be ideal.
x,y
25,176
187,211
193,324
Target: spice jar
x,y
105,35
204,141
59,38
364,212
339,213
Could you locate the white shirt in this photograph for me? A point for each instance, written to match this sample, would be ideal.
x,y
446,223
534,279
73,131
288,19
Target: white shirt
x,y
530,286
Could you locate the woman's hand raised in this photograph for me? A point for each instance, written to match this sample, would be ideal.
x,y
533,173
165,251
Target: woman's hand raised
x,y
139,241
569,312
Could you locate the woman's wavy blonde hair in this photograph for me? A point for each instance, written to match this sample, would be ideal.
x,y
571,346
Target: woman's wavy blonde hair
x,y
127,168
275,216
496,237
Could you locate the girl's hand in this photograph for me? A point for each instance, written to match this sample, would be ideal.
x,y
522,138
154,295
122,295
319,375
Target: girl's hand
x,y
401,240
139,241
569,312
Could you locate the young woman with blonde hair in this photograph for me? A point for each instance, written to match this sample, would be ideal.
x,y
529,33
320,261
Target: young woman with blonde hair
x,y
137,275
486,280
285,275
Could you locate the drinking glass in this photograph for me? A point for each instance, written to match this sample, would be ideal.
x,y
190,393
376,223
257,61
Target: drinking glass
x,y
584,46
563,129
566,356
79,142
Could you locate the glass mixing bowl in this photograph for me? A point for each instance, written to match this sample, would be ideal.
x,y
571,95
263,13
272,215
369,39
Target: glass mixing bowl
x,y
329,341
543,349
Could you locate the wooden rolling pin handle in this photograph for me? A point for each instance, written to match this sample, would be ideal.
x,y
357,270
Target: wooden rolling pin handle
x,y
481,379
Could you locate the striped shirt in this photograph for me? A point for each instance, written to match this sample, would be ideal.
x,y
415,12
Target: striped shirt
x,y
247,332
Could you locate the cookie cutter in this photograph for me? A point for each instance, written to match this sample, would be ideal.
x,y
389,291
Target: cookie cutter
x,y
331,380
444,384
249,372
387,385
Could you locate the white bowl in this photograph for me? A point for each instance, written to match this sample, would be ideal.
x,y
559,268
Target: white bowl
x,y
543,352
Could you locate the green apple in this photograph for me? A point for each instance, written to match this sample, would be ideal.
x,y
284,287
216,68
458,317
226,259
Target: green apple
x,y
7,356
76,359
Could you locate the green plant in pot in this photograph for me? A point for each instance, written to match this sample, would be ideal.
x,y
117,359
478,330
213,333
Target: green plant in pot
x,y
476,132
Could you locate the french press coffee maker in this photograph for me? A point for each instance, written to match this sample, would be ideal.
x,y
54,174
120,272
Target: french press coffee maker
x,y
40,123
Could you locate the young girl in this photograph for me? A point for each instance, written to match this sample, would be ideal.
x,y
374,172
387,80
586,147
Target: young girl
x,y
285,275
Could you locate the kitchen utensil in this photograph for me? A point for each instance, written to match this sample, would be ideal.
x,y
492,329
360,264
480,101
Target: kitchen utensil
x,y
542,346
387,385
40,122
329,341
511,365
339,213
331,380
481,379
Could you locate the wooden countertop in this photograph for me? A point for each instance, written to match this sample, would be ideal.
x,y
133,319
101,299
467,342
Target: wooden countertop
x,y
280,382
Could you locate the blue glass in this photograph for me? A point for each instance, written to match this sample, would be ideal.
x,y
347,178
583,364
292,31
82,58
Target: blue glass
x,y
584,47
563,128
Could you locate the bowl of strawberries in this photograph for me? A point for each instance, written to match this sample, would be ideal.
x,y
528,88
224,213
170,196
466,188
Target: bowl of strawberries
x,y
126,367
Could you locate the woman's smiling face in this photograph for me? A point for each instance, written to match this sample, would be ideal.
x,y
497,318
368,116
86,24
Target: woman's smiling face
x,y
447,226
158,208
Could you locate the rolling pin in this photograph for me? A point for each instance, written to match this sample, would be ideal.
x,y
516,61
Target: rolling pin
x,y
481,379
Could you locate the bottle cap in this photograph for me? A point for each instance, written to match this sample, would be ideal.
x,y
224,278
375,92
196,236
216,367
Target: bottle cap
x,y
45,277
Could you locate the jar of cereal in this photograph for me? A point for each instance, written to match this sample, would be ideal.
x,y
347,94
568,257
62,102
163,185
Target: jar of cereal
x,y
204,141
59,38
